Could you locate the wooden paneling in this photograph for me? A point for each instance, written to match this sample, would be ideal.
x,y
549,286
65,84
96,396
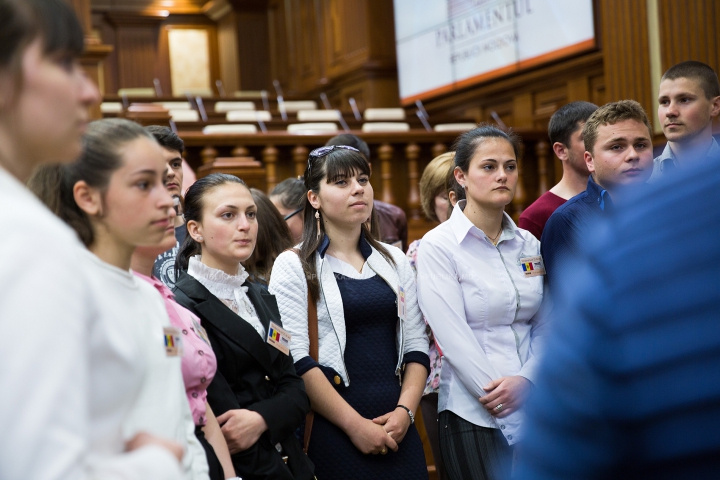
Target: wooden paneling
x,y
625,46
228,56
341,47
253,49
137,55
688,31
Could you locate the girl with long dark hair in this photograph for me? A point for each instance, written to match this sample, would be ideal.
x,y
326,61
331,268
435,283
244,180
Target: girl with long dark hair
x,y
367,381
257,396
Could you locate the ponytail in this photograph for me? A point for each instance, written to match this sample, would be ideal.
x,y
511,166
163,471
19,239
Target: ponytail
x,y
101,157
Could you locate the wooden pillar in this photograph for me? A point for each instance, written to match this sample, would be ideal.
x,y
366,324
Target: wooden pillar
x,y
208,154
385,152
300,158
541,152
518,201
270,158
438,149
240,151
412,153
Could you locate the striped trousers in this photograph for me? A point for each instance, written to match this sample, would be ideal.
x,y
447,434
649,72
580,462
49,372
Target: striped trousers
x,y
470,452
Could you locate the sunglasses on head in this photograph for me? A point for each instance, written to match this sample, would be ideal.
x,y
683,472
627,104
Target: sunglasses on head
x,y
322,151
290,215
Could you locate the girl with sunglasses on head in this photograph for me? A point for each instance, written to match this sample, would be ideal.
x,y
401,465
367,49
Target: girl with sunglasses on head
x,y
257,396
65,386
367,381
114,197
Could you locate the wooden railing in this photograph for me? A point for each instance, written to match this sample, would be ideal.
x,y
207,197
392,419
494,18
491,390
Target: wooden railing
x,y
398,157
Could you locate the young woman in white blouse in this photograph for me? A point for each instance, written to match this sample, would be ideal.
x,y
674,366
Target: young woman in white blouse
x,y
115,199
480,287
367,382
61,404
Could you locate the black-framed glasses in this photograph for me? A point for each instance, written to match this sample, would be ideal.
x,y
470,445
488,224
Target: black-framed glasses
x,y
322,151
290,215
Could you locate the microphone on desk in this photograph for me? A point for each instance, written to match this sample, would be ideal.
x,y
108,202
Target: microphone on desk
x,y
424,121
158,87
201,108
280,100
220,88
325,101
355,109
421,107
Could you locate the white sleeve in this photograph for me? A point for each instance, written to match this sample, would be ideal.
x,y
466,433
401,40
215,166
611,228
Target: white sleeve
x,y
416,339
288,284
45,315
441,301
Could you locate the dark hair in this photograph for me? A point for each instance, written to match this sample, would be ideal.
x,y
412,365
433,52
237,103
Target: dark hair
x,y
292,193
333,166
351,141
22,21
273,238
565,121
166,138
194,209
698,71
101,157
466,143
453,186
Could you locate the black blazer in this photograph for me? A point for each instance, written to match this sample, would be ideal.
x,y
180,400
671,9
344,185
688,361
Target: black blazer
x,y
255,376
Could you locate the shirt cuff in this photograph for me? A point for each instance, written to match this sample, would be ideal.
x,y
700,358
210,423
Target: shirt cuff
x,y
305,364
417,357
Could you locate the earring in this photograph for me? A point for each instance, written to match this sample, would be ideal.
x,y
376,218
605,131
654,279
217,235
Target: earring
x,y
200,239
317,219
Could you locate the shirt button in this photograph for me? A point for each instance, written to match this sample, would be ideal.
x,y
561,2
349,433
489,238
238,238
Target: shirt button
x,y
336,379
267,378
509,437
201,353
185,332
502,427
194,395
203,380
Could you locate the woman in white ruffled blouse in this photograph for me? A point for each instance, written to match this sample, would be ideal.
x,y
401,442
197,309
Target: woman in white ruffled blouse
x,y
257,396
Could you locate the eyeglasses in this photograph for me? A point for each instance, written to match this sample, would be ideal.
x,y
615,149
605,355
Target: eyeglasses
x,y
322,151
290,215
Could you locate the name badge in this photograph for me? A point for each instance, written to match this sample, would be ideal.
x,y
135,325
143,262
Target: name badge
x,y
402,305
173,342
532,266
200,331
279,338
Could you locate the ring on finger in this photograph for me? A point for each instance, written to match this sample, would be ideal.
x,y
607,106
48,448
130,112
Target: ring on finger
x,y
383,451
498,407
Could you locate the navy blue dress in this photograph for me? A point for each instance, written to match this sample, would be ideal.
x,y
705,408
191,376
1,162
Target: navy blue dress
x,y
371,358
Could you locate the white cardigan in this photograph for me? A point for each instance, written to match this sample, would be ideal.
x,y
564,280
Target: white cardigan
x,y
289,286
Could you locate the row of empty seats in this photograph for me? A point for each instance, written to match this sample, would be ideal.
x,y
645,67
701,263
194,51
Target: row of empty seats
x,y
313,120
311,128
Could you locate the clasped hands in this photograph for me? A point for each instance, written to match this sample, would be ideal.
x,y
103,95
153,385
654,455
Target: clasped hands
x,y
381,433
510,392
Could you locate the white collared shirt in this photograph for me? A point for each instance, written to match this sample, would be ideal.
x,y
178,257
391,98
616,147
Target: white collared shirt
x,y
483,310
228,289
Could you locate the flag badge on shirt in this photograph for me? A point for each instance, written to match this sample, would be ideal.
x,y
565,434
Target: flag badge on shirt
x,y
279,338
532,266
173,342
